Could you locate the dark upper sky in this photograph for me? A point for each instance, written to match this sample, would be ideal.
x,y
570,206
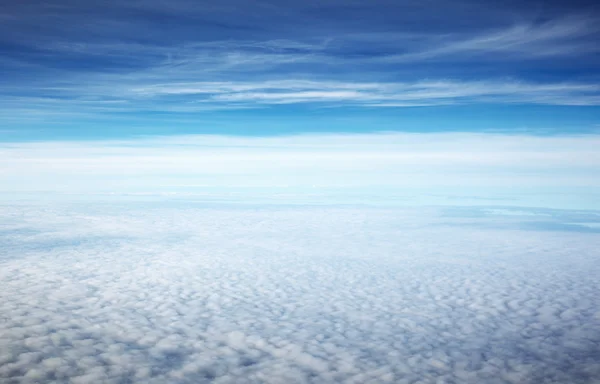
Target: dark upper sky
x,y
67,63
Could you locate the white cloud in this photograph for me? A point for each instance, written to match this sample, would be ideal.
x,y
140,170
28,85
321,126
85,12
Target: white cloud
x,y
157,294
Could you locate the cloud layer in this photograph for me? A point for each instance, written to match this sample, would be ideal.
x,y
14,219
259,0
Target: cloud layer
x,y
185,294
383,164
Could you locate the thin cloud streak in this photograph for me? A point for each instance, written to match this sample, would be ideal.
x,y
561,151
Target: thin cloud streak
x,y
522,41
204,96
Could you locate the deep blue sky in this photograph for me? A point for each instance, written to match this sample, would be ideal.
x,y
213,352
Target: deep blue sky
x,y
73,69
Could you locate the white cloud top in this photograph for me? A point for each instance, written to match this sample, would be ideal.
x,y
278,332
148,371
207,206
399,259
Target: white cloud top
x,y
159,294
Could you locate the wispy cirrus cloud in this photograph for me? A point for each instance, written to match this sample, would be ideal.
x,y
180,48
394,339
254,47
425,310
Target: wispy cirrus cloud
x,y
235,74
311,54
525,40
140,95
416,94
565,36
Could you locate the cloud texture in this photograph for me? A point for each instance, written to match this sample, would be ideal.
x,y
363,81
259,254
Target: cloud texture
x,y
182,293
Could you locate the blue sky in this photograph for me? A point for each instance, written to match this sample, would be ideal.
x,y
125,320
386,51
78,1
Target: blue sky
x,y
73,70
463,101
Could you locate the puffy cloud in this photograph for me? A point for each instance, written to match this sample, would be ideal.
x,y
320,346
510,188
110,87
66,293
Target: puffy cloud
x,y
192,294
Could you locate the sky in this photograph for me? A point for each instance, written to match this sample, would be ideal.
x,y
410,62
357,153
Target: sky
x,y
112,69
385,99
